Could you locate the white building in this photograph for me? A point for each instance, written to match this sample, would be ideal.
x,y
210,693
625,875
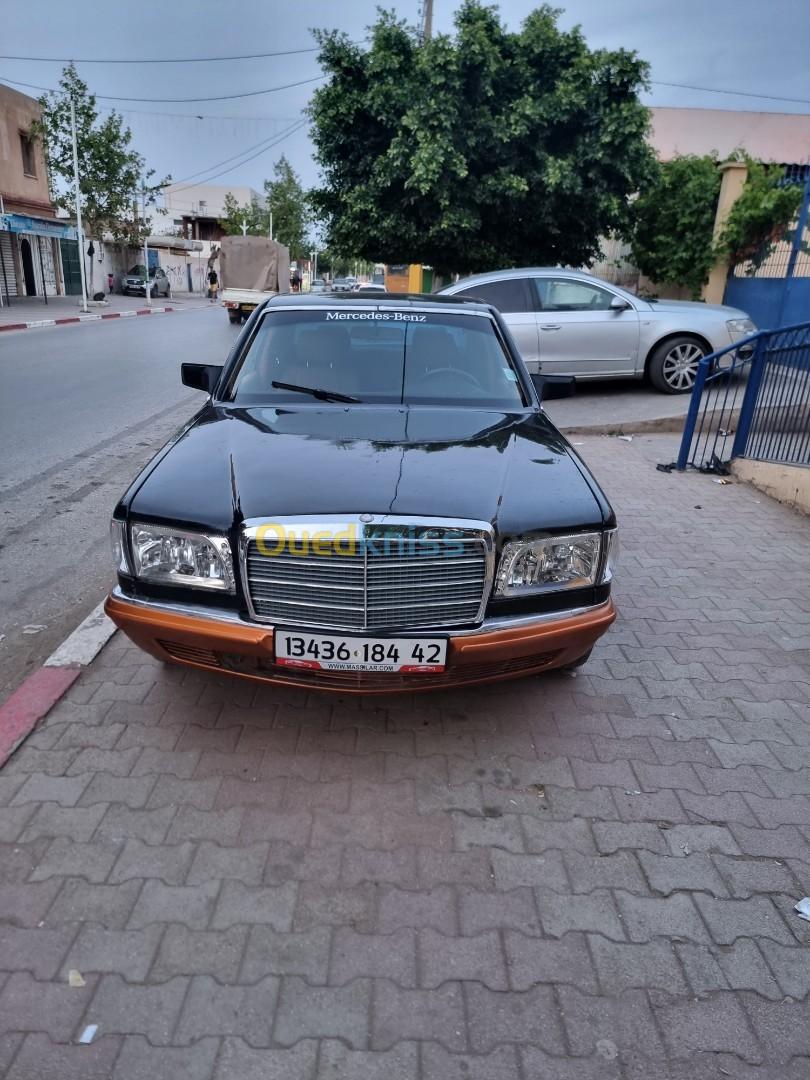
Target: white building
x,y
194,210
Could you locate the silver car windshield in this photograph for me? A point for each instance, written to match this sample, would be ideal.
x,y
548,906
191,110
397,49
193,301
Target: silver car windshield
x,y
377,356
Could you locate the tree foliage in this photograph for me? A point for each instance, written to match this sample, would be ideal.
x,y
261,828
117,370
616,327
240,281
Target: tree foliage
x,y
251,214
286,200
673,239
288,203
760,217
112,176
674,222
478,150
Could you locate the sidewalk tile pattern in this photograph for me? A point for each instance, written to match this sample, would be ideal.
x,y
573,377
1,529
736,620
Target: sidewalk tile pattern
x,y
561,878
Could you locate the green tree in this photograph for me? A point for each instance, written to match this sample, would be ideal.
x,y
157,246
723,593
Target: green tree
x,y
478,150
252,215
760,217
113,177
289,205
674,222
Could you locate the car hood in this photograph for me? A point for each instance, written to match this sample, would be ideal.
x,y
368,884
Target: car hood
x,y
232,464
696,307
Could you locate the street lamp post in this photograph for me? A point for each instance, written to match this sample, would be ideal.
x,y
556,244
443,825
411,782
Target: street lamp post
x,y
79,232
146,250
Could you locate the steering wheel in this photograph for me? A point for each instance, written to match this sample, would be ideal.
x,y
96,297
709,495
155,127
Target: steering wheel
x,y
452,371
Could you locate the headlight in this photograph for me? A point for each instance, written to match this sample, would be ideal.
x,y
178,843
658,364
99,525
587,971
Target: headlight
x,y
177,557
741,326
555,562
118,543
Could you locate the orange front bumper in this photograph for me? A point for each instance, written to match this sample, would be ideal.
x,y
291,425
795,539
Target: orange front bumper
x,y
246,650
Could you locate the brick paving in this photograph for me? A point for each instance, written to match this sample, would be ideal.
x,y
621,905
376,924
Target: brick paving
x,y
560,878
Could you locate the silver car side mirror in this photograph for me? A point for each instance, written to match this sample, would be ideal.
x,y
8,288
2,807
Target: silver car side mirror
x,y
618,303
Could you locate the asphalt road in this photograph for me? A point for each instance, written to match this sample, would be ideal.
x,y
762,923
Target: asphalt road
x,y
82,408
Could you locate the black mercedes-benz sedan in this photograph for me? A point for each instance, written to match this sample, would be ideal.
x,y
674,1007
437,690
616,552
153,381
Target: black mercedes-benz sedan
x,y
370,499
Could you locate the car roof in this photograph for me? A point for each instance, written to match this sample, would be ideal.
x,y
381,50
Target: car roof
x,y
381,300
537,271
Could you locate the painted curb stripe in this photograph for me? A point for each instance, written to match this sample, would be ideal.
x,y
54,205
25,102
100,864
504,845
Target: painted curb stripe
x,y
21,713
37,324
86,642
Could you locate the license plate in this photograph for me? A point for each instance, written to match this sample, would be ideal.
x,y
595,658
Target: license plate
x,y
334,652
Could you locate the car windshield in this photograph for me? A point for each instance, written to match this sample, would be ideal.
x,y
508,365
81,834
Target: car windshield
x,y
384,356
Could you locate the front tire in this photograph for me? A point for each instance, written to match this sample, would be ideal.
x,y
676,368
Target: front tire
x,y
674,364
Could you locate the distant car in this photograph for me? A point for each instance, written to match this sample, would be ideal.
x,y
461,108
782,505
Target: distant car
x,y
341,284
135,282
367,287
566,322
318,285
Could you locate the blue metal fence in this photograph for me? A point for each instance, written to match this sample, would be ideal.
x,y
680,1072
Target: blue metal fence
x,y
751,399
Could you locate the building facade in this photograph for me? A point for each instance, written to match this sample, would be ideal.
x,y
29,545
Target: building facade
x,y
38,251
193,211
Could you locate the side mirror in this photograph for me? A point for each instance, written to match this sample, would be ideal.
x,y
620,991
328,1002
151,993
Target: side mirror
x,y
554,386
618,303
201,376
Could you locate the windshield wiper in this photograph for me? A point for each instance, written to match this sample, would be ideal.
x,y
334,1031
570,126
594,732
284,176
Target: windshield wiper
x,y
321,395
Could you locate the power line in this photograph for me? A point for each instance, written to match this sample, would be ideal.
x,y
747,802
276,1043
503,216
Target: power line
x,y
159,60
739,93
187,101
248,150
276,140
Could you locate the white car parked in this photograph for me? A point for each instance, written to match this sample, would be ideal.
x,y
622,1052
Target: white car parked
x,y
566,322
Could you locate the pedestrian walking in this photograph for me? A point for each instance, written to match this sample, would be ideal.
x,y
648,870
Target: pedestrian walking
x,y
213,285
110,283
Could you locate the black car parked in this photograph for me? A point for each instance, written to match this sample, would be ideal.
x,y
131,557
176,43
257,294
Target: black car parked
x,y
371,498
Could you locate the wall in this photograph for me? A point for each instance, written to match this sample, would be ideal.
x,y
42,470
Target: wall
x,y
788,484
767,136
25,194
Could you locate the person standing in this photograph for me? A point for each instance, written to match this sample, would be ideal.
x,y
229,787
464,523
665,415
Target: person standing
x,y
110,283
213,285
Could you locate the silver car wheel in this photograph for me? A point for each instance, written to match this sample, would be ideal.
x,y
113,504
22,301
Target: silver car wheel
x,y
681,364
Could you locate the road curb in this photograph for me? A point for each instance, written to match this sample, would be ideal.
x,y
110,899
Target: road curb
x,y
662,424
36,324
38,694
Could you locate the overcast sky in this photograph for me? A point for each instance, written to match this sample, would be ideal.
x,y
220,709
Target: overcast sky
x,y
751,45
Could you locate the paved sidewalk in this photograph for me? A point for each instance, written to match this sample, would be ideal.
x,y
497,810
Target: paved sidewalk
x,y
34,311
561,878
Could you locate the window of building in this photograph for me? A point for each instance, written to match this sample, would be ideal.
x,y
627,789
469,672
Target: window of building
x,y
29,157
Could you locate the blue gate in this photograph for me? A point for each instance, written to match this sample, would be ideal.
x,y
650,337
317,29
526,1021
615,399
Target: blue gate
x,y
751,399
777,293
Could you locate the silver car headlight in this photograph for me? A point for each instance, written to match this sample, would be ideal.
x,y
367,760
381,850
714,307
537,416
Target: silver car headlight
x,y
741,326
178,557
554,562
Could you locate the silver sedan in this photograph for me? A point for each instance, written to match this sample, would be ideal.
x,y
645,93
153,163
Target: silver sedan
x,y
566,322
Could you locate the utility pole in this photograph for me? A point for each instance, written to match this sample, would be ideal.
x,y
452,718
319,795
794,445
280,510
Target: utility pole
x,y
427,20
314,265
146,249
271,224
79,232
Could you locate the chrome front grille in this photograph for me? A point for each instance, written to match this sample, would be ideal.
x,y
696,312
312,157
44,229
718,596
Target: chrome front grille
x,y
424,575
